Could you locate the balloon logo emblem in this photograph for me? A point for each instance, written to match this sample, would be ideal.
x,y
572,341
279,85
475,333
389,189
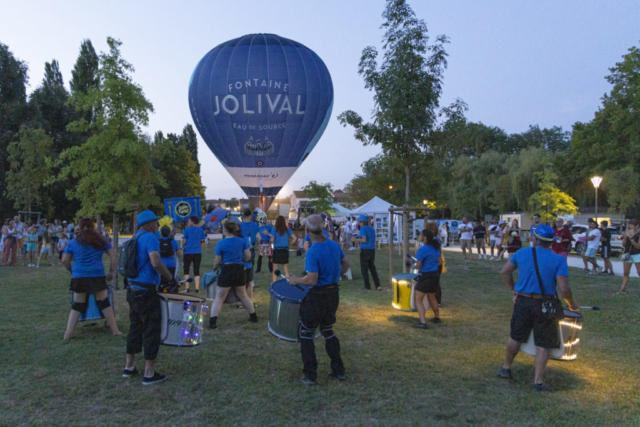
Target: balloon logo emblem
x,y
183,209
261,103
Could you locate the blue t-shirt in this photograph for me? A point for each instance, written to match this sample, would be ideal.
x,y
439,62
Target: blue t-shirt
x,y
231,249
325,259
87,261
549,264
266,231
147,243
281,241
195,236
307,238
370,234
249,229
170,261
429,257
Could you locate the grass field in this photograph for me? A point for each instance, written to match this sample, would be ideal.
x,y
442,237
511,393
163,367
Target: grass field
x,y
397,375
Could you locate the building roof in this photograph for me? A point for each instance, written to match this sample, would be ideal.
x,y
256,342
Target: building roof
x,y
300,195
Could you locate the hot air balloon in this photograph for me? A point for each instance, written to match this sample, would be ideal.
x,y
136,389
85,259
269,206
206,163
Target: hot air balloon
x,y
261,103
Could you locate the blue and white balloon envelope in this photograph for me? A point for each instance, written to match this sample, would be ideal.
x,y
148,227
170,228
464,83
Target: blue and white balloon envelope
x,y
261,103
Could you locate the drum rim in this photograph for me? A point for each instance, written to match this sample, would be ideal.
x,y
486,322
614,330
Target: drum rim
x,y
182,298
282,298
572,314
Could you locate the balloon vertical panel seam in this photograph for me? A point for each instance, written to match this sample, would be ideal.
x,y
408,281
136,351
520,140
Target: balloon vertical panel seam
x,y
289,79
235,137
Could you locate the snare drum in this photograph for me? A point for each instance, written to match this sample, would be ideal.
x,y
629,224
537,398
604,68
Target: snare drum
x,y
404,295
568,329
284,309
93,312
210,286
182,319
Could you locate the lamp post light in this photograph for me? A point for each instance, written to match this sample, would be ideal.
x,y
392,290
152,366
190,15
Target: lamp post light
x,y
391,187
596,180
425,201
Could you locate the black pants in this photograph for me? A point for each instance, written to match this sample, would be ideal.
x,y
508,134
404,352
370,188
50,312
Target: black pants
x,y
145,316
367,262
319,310
260,265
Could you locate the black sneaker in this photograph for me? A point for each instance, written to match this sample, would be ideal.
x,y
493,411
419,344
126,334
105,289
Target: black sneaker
x,y
212,325
128,373
197,290
436,320
505,373
253,318
421,326
337,376
540,388
156,378
307,381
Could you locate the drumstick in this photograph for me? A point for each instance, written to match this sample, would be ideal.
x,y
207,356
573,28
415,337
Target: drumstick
x,y
279,273
589,307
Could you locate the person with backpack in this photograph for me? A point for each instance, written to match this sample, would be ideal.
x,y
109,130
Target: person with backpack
x,y
87,275
141,263
193,237
169,249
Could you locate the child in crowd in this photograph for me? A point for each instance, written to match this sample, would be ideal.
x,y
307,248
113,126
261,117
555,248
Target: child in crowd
x,y
32,242
62,245
46,249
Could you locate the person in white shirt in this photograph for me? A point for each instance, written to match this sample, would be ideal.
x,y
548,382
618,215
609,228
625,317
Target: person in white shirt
x,y
348,230
593,243
493,231
355,232
444,235
464,231
20,234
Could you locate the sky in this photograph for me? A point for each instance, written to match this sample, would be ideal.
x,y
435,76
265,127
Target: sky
x,y
515,63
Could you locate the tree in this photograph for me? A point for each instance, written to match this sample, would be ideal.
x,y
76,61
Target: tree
x,y
113,168
407,86
177,168
321,196
30,168
13,111
623,190
189,140
84,76
549,201
231,203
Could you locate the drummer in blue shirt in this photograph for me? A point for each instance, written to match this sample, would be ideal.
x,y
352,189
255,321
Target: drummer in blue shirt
x,y
367,240
193,237
428,282
281,239
232,252
250,230
266,231
325,264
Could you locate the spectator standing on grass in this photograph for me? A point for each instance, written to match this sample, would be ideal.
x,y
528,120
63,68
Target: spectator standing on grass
x,y
367,241
444,235
266,231
145,312
514,241
21,234
563,238
42,228
45,249
325,265
492,231
591,248
479,232
534,225
501,240
428,283
87,275
55,231
464,232
527,297
631,244
32,245
10,250
281,239
62,245
605,240
193,238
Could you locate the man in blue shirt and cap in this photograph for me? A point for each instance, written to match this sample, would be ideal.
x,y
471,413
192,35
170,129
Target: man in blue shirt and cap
x,y
144,303
367,242
529,298
325,264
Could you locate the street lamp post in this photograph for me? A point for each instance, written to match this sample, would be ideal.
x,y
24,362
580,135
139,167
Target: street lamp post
x,y
596,180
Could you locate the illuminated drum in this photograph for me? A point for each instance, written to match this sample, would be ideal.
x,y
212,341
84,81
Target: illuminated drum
x,y
93,312
404,295
284,309
210,286
569,330
182,319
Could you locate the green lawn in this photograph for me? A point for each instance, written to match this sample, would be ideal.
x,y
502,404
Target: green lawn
x,y
397,375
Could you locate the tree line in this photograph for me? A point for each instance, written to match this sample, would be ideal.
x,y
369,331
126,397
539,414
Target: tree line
x,y
82,151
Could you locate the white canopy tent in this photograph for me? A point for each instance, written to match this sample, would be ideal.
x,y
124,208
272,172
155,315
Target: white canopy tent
x,y
374,206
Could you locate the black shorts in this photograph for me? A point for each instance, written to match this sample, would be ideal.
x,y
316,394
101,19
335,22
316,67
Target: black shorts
x,y
428,283
192,258
606,251
248,275
88,285
280,256
231,276
527,315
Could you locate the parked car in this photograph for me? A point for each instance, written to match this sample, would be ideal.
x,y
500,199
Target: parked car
x,y
580,231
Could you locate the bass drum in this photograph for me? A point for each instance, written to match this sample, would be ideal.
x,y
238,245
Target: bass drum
x,y
93,312
284,310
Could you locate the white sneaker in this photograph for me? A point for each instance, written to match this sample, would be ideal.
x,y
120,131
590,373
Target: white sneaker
x,y
352,249
479,256
492,258
485,257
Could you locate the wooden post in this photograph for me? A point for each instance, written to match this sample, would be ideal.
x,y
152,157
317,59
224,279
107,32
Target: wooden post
x,y
405,237
115,245
391,224
98,222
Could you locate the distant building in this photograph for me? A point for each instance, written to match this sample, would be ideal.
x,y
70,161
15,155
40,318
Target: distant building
x,y
279,207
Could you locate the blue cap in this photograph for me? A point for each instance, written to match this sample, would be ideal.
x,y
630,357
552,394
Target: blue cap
x,y
363,218
145,217
544,233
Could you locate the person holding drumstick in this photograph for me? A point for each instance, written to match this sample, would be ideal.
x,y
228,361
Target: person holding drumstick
x,y
551,270
87,275
325,265
231,254
281,238
428,283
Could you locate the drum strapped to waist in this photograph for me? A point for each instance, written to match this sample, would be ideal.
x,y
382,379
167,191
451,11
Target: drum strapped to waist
x,y
182,319
93,312
210,287
284,309
404,296
568,330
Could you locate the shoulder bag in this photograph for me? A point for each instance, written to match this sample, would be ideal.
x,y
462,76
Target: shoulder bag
x,y
551,308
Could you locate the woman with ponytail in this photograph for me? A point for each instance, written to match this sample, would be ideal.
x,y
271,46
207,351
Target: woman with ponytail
x,y
428,282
